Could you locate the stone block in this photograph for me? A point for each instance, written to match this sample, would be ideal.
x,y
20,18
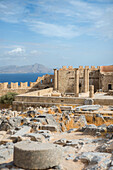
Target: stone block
x,y
2,134
32,155
88,101
21,132
66,108
4,141
36,137
52,128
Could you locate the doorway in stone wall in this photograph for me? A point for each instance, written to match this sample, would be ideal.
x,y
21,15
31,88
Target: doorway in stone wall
x,y
109,86
80,88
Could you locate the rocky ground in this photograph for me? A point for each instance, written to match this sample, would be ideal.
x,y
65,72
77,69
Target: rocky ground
x,y
85,146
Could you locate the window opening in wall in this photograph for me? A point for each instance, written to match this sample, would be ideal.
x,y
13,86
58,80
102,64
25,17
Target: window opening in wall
x,y
109,86
51,80
41,81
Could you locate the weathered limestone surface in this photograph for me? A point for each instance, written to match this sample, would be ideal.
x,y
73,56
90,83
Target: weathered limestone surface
x,y
66,108
21,132
52,128
85,80
91,93
76,87
88,101
31,155
55,79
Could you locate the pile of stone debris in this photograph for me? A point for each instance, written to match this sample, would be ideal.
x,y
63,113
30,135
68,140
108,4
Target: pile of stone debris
x,y
44,138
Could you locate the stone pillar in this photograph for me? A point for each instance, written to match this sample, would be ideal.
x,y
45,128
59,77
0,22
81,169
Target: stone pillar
x,y
91,91
39,93
55,79
76,86
85,80
58,80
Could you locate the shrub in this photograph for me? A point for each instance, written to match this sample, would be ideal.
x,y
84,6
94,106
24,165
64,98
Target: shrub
x,y
8,98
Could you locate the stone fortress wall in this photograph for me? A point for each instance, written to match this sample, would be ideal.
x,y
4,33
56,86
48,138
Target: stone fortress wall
x,y
78,80
67,86
67,81
43,82
71,86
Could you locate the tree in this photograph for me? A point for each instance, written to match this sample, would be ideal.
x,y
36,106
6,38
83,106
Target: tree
x,y
8,98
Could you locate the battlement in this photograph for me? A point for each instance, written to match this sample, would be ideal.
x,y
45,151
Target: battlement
x,y
86,67
81,67
65,68
45,79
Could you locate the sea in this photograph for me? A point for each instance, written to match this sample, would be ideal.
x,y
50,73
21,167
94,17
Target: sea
x,y
20,77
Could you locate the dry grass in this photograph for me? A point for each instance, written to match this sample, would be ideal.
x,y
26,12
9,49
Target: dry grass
x,y
70,124
40,111
59,110
51,111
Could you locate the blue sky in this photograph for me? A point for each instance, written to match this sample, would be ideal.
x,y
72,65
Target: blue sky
x,y
56,32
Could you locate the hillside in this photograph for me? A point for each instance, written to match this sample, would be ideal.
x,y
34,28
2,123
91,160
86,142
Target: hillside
x,y
36,68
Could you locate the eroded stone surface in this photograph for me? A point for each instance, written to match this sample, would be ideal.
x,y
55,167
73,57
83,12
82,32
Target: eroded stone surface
x,y
32,155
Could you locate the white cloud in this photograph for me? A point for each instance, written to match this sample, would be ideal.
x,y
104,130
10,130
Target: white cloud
x,y
66,18
16,51
54,30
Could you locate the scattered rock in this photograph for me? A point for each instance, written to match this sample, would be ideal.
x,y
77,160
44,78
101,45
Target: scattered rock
x,y
21,132
52,128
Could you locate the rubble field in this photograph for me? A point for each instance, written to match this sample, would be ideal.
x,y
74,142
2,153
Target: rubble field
x,y
82,135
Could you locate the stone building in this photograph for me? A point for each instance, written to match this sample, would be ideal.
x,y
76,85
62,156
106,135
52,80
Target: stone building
x,y
68,81
77,80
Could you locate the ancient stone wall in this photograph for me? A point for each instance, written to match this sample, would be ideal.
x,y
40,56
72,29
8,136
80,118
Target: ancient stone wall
x,y
66,78
43,82
87,76
18,91
40,92
22,101
94,78
106,81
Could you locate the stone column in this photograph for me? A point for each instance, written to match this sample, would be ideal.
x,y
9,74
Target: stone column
x,y
91,91
88,80
55,79
76,86
58,80
85,80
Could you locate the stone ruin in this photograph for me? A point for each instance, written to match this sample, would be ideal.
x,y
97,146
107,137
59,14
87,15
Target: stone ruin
x,y
70,81
56,138
70,131
77,80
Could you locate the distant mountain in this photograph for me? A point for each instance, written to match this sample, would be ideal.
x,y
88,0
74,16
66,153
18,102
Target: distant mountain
x,y
36,68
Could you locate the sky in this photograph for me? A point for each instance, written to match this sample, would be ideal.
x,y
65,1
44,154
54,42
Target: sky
x,y
56,32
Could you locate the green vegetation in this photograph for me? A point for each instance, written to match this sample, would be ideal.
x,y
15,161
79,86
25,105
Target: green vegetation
x,y
8,98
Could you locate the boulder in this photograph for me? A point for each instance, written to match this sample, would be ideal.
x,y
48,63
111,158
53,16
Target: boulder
x,y
6,153
110,128
90,129
96,159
